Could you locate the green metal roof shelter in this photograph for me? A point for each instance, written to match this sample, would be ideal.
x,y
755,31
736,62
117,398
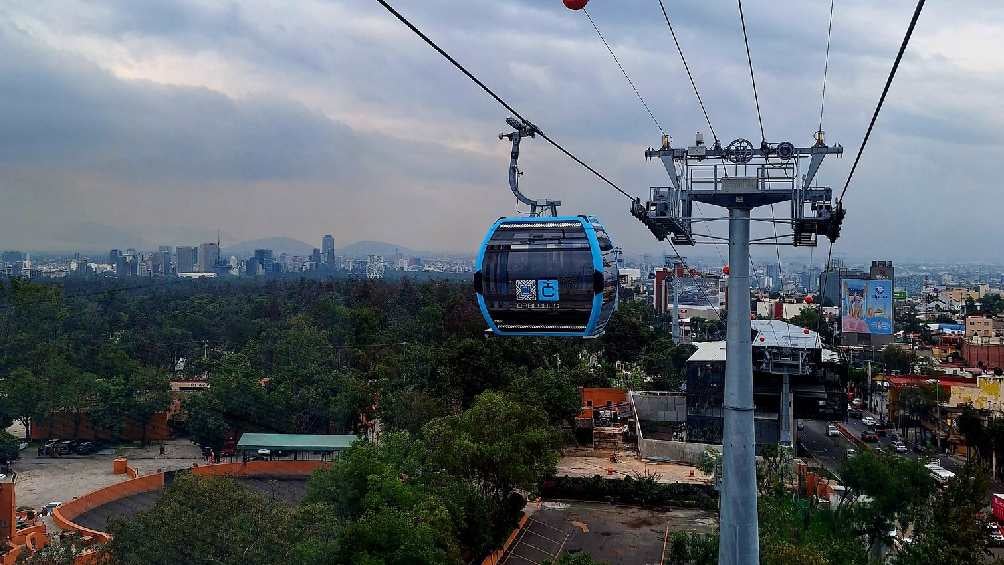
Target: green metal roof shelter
x,y
323,444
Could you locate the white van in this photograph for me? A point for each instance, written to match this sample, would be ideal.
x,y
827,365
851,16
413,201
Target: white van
x,y
939,473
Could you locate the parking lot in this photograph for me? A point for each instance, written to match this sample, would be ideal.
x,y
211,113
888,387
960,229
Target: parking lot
x,y
610,533
40,480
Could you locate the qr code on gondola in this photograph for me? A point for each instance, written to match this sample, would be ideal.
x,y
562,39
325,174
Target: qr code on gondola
x,y
526,289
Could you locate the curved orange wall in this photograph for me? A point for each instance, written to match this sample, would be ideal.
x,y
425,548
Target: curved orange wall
x,y
64,514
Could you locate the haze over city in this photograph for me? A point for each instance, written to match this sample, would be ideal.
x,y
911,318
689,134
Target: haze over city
x,y
163,125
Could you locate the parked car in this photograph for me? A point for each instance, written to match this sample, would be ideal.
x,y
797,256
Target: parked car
x,y
868,421
899,446
85,448
851,452
919,448
832,431
855,413
48,508
894,436
56,448
869,436
996,538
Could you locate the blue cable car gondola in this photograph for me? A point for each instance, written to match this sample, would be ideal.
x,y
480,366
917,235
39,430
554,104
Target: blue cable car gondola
x,y
547,276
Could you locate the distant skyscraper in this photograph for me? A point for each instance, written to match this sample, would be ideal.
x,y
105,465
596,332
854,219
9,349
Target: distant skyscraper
x,y
186,259
264,258
127,266
328,248
315,257
160,262
209,255
113,257
774,277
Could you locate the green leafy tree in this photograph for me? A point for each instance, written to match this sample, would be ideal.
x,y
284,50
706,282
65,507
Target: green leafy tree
x,y
896,487
380,504
691,548
10,448
204,520
205,422
23,397
499,444
813,319
627,331
551,390
578,558
898,359
952,528
130,399
666,362
61,550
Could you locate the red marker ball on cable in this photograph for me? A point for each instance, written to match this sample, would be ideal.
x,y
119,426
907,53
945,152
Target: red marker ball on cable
x,y
575,4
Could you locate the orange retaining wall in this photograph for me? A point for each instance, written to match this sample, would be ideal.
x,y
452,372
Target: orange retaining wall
x,y
64,514
495,557
850,436
31,538
252,468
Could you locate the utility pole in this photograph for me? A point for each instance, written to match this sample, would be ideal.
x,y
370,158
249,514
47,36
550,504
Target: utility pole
x,y
740,178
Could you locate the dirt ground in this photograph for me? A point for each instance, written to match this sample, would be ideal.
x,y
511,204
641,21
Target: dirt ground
x,y
40,480
609,533
587,462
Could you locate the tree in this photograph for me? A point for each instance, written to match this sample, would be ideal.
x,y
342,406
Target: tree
x,y
627,332
775,469
23,395
690,548
552,391
498,443
898,359
380,504
971,428
577,558
61,550
812,319
666,362
896,487
10,448
952,527
203,520
205,421
703,329
130,398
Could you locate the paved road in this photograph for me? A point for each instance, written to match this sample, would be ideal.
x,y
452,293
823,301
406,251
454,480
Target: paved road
x,y
831,451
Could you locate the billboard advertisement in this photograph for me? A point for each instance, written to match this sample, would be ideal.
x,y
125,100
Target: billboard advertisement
x,y
866,306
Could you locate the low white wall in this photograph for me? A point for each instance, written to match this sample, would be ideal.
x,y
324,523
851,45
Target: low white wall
x,y
682,451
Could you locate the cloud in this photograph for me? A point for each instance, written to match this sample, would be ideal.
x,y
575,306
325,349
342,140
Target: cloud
x,y
268,118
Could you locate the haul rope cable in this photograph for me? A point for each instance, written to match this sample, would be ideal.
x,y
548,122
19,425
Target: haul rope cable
x,y
498,98
878,107
623,71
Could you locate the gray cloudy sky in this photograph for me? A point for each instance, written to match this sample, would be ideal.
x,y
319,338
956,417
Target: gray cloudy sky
x,y
142,123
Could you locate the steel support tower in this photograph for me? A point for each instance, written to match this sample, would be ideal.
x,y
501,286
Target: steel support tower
x,y
740,178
